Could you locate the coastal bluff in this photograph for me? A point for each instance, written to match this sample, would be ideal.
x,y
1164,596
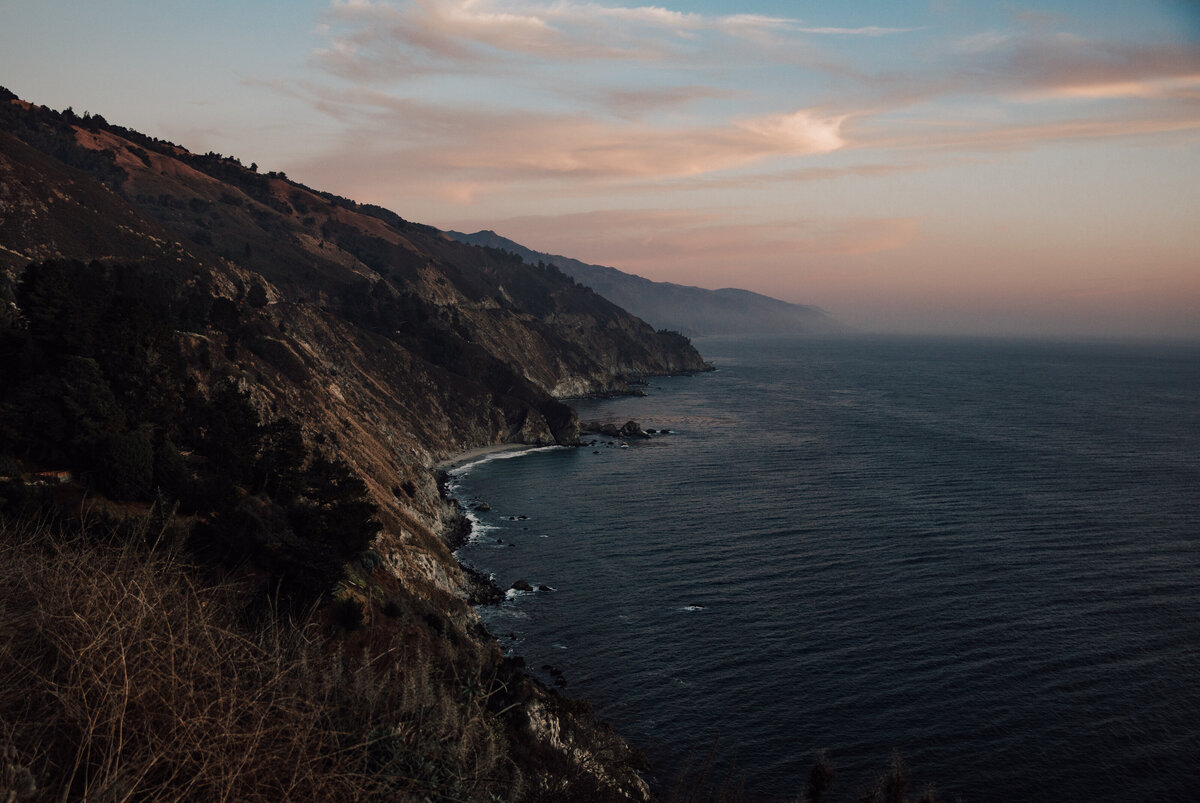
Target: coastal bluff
x,y
273,373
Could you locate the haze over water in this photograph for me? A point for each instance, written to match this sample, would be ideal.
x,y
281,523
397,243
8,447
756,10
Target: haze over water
x,y
980,553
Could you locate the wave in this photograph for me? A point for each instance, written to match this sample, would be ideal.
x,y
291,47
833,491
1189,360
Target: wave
x,y
459,471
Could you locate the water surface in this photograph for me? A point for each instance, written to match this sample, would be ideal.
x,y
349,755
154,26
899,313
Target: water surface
x,y
983,554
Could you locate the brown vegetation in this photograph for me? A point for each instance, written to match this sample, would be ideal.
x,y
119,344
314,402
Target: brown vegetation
x,y
124,676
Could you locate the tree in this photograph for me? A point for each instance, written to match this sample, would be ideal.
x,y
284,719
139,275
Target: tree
x,y
231,433
126,462
60,322
280,472
336,513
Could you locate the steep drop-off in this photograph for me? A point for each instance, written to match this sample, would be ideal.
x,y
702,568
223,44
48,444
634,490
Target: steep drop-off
x,y
162,283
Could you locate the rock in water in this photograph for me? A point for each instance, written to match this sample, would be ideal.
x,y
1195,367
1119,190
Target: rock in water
x,y
632,429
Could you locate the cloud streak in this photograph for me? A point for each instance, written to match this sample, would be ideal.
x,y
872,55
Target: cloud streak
x,y
473,149
965,135
377,41
1060,64
609,136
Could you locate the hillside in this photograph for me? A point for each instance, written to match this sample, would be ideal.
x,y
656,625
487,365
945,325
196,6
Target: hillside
x,y
271,373
692,311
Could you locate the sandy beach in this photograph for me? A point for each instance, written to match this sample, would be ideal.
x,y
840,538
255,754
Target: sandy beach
x,y
471,455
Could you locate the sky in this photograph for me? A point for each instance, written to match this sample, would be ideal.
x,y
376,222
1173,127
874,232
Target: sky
x,y
946,166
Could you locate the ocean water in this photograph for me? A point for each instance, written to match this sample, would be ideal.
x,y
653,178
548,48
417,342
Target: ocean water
x,y
984,555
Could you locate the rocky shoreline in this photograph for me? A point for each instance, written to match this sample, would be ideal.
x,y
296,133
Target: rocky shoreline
x,y
482,589
551,711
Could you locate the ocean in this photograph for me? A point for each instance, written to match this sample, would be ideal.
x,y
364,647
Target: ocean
x,y
983,555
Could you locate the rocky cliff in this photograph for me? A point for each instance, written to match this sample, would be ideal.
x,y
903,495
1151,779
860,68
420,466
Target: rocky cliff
x,y
150,297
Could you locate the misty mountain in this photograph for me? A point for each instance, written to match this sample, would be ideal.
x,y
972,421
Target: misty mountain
x,y
694,311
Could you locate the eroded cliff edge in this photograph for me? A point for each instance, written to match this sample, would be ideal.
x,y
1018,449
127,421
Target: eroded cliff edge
x,y
383,345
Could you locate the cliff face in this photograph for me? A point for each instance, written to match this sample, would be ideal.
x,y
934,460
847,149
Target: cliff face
x,y
389,346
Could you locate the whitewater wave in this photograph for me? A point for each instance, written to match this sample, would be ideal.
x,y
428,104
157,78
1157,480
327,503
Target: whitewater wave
x,y
458,471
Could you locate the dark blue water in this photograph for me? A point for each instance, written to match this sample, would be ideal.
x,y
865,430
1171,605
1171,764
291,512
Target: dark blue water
x,y
982,554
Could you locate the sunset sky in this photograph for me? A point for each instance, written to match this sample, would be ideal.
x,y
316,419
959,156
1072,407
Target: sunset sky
x,y
940,166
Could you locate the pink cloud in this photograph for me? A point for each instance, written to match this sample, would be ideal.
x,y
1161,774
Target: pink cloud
x,y
399,141
637,103
1065,60
382,40
965,135
376,41
1175,86
1037,63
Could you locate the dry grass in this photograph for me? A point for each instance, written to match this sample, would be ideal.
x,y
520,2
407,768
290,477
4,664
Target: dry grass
x,y
125,677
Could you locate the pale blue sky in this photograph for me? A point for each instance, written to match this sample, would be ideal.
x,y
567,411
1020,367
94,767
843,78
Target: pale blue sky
x,y
935,166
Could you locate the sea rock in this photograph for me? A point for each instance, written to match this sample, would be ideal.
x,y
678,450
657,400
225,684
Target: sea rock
x,y
483,507
632,429
522,585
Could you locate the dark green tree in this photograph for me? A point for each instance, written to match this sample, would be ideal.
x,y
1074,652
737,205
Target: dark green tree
x,y
60,321
126,465
230,433
280,472
335,513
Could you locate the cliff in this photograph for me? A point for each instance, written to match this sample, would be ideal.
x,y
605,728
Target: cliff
x,y
283,368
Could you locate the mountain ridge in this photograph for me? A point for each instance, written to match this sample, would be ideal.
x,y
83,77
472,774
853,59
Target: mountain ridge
x,y
692,311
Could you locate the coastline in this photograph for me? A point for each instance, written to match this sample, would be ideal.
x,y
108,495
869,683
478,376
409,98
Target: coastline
x,y
550,708
483,590
460,459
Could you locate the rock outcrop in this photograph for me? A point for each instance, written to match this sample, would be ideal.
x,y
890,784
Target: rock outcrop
x,y
630,429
